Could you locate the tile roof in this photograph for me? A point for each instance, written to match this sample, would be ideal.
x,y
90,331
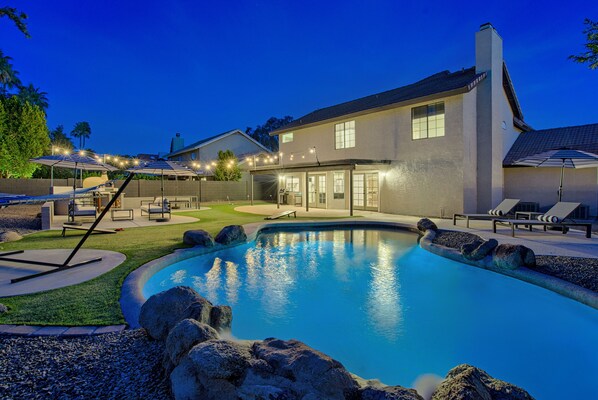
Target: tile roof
x,y
581,137
441,82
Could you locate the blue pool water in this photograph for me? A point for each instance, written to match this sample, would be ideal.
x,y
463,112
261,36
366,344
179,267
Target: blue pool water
x,y
387,309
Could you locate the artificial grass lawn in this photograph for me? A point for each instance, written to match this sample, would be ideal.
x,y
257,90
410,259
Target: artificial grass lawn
x,y
95,302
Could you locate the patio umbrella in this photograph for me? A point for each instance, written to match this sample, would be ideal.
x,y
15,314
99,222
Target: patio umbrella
x,y
564,158
75,161
163,167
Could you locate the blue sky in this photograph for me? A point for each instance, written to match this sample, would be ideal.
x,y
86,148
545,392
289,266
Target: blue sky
x,y
140,71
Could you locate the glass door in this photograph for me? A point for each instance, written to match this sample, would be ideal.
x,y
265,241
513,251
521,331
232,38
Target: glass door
x,y
321,191
311,187
366,191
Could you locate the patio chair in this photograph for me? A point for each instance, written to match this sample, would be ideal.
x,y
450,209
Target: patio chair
x,y
556,217
503,209
156,208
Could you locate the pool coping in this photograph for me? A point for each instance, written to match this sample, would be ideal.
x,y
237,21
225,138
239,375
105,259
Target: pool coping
x,y
132,298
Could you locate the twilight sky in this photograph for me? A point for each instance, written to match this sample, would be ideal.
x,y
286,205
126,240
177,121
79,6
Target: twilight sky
x,y
140,71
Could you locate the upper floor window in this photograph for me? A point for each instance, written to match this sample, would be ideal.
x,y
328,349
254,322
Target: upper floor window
x,y
428,121
344,135
287,137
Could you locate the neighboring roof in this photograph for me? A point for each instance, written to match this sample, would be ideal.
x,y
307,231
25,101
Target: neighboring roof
x,y
507,85
442,82
581,137
211,139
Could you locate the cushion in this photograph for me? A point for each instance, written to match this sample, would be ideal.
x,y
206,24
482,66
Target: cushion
x,y
494,211
548,218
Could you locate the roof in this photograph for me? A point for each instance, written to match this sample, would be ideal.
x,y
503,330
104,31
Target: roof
x,y
442,82
206,141
581,137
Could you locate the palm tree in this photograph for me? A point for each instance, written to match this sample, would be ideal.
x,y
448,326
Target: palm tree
x,y
34,96
8,76
16,17
82,130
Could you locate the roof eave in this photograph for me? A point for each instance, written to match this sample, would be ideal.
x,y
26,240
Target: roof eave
x,y
434,96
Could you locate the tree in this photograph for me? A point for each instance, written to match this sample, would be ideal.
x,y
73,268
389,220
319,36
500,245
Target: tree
x,y
8,75
590,56
59,139
17,17
82,130
227,167
261,133
34,96
23,135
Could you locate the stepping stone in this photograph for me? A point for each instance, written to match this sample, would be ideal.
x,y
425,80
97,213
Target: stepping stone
x,y
50,331
18,330
79,331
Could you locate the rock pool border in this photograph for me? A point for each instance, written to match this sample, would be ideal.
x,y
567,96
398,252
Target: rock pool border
x,y
132,298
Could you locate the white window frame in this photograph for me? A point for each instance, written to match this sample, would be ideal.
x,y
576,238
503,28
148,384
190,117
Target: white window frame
x,y
287,137
430,123
292,184
344,135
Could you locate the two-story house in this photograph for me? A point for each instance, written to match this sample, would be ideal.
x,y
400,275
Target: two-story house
x,y
434,147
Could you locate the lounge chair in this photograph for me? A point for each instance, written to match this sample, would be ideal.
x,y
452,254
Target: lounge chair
x,y
157,208
503,209
556,217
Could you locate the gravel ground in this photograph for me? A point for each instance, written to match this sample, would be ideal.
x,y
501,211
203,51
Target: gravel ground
x,y
22,219
577,270
122,365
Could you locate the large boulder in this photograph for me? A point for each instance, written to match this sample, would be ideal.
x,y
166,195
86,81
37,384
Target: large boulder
x,y
465,382
231,234
476,251
295,366
513,256
162,311
186,334
210,371
198,237
425,224
389,393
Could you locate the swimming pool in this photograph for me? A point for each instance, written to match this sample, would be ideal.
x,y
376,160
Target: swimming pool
x,y
387,309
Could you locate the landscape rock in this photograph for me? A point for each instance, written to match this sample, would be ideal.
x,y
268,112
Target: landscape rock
x,y
3,308
199,311
162,311
465,382
198,237
186,334
425,224
231,234
10,236
389,393
513,256
477,251
307,371
221,317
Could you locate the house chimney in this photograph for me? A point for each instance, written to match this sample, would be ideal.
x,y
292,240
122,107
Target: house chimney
x,y
177,143
490,104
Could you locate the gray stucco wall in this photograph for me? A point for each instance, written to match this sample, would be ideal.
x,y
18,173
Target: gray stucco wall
x,y
236,142
541,185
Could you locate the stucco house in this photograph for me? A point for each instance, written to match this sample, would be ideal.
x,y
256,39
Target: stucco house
x,y
205,151
434,147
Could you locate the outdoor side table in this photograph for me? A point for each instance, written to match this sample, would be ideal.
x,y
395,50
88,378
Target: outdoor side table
x,y
122,214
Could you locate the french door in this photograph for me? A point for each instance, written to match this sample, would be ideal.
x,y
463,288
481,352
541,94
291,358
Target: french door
x,y
365,191
317,191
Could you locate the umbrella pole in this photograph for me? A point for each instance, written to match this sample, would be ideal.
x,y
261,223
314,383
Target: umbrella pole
x,y
561,182
163,219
